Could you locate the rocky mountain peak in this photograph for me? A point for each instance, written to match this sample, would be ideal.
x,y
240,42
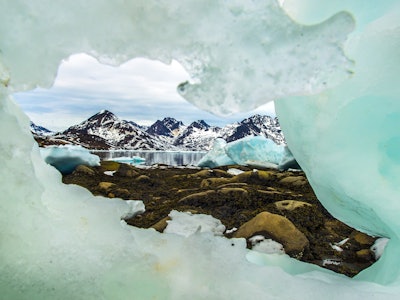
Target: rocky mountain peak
x,y
167,127
102,117
200,124
39,130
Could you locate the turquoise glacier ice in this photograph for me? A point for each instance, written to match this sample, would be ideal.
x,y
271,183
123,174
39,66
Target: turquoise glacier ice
x,y
67,157
256,151
332,67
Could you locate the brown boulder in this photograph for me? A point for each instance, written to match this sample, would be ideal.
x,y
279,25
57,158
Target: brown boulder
x,y
279,229
290,205
362,238
294,180
202,174
233,190
214,182
105,186
121,193
254,176
125,170
82,169
197,196
143,179
161,225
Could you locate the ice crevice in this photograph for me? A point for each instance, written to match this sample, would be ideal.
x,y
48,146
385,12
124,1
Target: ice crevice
x,y
338,106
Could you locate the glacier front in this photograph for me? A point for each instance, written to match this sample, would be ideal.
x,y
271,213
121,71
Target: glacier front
x,y
336,76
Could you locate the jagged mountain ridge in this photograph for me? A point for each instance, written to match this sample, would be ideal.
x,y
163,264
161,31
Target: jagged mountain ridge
x,y
255,125
105,130
39,130
168,127
114,132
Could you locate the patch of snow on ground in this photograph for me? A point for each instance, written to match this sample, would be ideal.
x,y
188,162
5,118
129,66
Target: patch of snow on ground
x,y
330,261
234,171
135,207
109,173
379,246
261,244
186,224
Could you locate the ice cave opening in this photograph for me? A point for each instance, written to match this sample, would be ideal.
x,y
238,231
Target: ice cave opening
x,y
341,122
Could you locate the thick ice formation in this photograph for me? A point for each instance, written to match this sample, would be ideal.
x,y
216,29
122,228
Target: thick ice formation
x,y
256,151
346,138
60,242
66,158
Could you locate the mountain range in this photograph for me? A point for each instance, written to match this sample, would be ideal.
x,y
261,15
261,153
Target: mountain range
x,y
105,130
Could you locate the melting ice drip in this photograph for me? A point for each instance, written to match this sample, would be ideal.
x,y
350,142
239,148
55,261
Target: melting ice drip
x,y
340,120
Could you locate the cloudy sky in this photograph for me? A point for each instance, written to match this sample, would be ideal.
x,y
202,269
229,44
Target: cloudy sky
x,y
139,90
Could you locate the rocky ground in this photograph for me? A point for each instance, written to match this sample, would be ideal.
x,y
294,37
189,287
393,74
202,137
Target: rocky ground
x,y
277,205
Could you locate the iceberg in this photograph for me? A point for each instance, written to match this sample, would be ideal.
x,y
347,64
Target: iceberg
x,y
335,76
66,158
134,160
217,156
256,151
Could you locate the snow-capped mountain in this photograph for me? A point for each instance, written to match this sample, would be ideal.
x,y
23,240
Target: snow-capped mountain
x,y
39,130
255,125
198,135
168,127
105,130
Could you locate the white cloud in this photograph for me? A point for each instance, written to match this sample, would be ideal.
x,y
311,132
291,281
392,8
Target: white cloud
x,y
140,90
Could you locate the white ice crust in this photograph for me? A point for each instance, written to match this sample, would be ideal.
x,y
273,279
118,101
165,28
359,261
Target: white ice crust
x,y
61,242
186,224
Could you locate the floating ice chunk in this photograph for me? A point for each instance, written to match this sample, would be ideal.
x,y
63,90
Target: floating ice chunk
x,y
186,224
134,160
261,244
67,157
378,247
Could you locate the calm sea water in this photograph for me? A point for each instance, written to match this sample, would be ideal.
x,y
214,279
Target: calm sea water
x,y
155,157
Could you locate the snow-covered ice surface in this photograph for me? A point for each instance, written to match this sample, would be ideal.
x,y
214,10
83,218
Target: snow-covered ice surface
x,y
61,242
186,224
66,158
